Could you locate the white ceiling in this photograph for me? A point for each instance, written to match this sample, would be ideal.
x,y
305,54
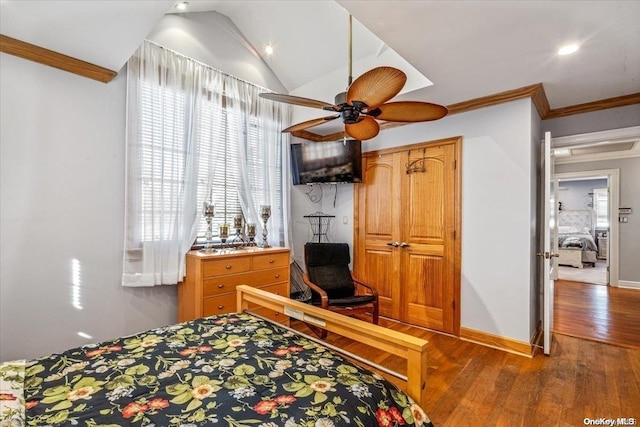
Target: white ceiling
x,y
468,49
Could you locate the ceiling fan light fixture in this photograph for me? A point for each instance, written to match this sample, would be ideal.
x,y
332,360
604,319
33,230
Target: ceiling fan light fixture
x,y
568,49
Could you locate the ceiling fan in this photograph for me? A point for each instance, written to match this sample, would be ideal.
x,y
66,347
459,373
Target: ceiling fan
x,y
365,102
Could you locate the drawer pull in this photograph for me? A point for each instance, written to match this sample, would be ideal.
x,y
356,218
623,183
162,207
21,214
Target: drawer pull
x,y
276,276
220,286
277,313
220,307
228,267
271,261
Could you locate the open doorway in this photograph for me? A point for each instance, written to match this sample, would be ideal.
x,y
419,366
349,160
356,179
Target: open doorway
x,y
584,310
583,229
588,226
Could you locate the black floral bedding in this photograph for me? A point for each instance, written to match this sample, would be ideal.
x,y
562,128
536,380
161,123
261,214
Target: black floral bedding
x,y
233,370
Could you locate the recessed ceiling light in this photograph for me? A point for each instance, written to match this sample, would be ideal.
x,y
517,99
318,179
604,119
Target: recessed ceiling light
x,y
268,49
182,5
568,49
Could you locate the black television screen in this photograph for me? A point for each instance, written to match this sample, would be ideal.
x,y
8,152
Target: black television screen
x,y
326,162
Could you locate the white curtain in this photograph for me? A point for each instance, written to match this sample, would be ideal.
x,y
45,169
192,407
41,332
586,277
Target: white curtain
x,y
178,113
263,160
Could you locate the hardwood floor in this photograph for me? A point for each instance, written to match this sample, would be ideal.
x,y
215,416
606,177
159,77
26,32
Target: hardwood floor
x,y
471,385
600,313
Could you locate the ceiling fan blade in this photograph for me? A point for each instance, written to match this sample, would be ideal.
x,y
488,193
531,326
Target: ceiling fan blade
x,y
409,111
365,129
297,100
376,86
310,123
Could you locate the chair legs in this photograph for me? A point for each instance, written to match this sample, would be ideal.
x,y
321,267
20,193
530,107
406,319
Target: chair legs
x,y
321,333
374,314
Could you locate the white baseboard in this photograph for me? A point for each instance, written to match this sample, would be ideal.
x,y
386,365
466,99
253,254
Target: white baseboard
x,y
628,284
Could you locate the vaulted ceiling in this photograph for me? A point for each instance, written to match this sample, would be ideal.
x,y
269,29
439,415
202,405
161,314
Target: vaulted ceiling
x,y
468,49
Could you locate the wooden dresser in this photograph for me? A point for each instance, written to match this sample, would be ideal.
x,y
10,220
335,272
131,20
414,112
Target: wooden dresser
x,y
209,287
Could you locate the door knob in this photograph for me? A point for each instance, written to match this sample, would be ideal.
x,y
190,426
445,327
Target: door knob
x,y
547,255
404,245
394,244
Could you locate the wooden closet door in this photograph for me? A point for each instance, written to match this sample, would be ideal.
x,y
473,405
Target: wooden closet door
x,y
419,278
427,246
377,225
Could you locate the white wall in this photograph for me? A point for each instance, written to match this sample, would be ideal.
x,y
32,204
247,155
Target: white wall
x,y
496,211
306,200
574,195
62,199
612,118
213,39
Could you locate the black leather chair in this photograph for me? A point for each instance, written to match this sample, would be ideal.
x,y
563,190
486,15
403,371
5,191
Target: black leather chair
x,y
332,285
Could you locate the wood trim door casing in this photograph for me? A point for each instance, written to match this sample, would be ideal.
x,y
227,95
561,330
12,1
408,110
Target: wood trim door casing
x,y
53,59
395,304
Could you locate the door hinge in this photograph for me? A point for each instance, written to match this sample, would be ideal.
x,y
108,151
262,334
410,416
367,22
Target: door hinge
x,y
455,164
453,304
454,234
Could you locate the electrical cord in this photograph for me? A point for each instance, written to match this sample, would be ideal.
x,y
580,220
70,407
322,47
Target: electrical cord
x,y
313,197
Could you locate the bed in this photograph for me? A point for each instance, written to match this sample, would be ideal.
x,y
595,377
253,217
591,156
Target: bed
x,y
576,245
576,249
231,370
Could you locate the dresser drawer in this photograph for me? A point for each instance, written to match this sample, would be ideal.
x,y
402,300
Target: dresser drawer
x,y
225,266
226,303
261,262
225,284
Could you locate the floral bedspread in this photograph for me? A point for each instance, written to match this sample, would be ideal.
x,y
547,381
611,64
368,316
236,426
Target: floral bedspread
x,y
12,393
232,370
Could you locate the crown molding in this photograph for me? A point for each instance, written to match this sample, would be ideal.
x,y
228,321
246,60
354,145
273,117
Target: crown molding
x,y
603,104
54,59
535,92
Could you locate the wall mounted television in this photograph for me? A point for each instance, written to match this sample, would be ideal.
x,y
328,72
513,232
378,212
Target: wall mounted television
x,y
326,162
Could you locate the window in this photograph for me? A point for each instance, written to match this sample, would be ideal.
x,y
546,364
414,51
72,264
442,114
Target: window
x,y
217,137
194,134
601,207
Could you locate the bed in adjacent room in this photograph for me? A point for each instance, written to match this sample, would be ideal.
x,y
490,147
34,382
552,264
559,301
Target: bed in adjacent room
x,y
230,370
576,245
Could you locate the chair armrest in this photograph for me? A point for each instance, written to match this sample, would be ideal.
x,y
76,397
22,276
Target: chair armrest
x,y
324,298
373,290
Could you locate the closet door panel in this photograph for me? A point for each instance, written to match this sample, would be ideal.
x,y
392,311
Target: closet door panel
x,y
424,298
379,265
428,226
377,225
424,197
